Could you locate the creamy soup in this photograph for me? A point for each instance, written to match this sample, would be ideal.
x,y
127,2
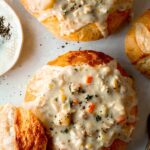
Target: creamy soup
x,y
75,14
83,107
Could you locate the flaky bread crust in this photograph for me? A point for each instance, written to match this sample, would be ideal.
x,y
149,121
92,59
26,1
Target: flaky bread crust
x,y
89,32
22,128
133,51
92,58
30,133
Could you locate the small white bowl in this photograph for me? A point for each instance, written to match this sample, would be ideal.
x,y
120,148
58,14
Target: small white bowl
x,y
10,49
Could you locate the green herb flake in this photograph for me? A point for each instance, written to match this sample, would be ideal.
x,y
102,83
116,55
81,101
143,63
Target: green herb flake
x,y
76,69
98,118
56,99
89,97
64,131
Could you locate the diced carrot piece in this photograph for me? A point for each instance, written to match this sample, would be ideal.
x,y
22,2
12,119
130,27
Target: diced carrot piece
x,y
91,107
89,79
121,119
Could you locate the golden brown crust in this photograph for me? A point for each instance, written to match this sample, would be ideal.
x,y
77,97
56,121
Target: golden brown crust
x,y
92,58
89,32
117,145
29,132
89,57
133,51
73,58
21,129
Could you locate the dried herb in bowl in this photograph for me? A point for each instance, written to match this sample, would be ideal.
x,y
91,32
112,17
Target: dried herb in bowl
x,y
5,30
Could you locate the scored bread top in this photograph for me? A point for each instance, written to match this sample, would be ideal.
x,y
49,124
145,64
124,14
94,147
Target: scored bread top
x,y
138,37
84,101
137,43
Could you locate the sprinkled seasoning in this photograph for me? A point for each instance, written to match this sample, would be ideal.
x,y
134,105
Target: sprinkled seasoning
x,y
64,131
98,118
4,29
56,99
89,97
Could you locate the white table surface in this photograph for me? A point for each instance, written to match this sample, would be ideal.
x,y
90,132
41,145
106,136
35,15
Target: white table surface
x,y
40,46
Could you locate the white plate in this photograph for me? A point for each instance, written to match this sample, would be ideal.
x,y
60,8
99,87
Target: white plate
x,y
34,55
10,49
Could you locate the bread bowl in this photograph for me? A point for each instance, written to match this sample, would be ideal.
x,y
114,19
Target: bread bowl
x,y
80,20
76,93
137,43
20,130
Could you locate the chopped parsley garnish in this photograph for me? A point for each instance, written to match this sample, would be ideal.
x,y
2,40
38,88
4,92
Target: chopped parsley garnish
x,y
76,69
56,99
89,97
64,131
98,118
